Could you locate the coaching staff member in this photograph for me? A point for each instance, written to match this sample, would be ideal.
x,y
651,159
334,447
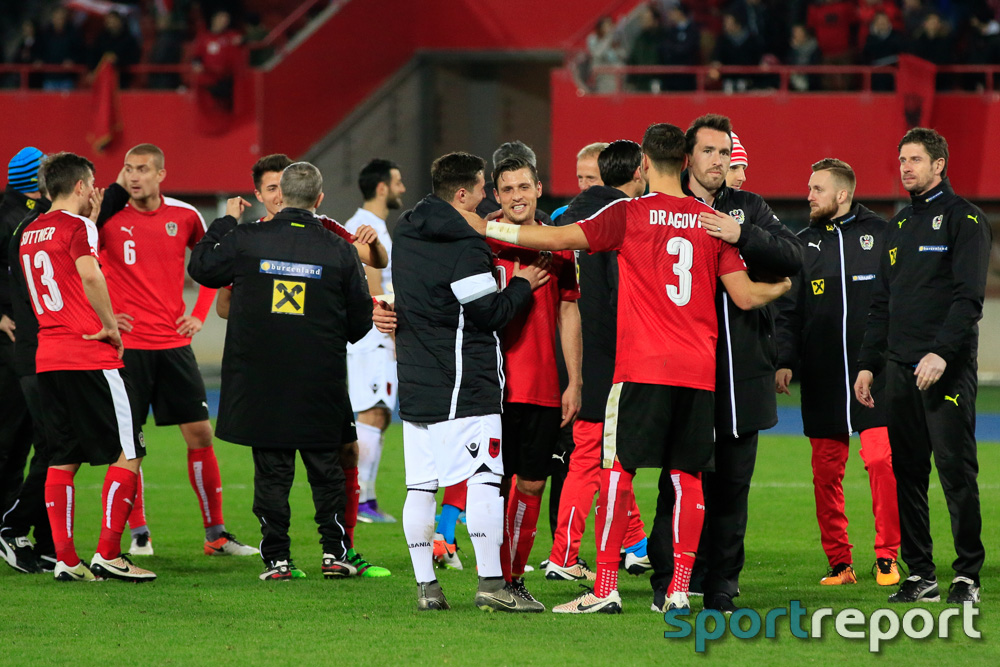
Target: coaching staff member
x,y
299,296
744,371
923,334
820,327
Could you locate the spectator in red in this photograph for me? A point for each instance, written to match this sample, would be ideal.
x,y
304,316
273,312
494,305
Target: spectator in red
x,y
868,9
218,54
831,22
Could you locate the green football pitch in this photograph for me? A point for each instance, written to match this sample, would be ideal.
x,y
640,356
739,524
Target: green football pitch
x,y
211,610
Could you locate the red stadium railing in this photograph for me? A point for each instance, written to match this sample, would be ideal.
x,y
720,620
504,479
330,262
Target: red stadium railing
x,y
855,78
282,33
82,75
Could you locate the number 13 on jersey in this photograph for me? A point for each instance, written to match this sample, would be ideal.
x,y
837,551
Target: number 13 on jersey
x,y
682,249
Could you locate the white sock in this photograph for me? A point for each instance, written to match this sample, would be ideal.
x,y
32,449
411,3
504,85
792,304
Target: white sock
x,y
418,527
369,455
484,517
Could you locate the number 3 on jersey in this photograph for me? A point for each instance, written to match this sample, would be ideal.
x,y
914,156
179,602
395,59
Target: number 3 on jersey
x,y
53,299
680,247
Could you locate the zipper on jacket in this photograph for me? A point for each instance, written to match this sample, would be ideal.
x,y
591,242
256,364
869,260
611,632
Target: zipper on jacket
x,y
843,329
729,350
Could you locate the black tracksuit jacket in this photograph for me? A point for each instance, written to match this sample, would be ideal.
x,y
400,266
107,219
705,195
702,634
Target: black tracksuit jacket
x,y
932,283
449,310
598,305
299,296
821,321
746,353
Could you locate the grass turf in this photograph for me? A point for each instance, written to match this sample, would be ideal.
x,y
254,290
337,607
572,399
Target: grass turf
x,y
214,609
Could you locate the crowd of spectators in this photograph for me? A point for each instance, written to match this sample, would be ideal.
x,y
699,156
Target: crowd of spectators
x,y
213,37
764,33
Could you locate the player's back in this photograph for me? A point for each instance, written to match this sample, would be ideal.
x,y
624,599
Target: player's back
x,y
668,274
48,252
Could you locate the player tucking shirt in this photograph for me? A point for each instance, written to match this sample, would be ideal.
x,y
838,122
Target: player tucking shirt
x,y
664,252
144,255
49,249
529,341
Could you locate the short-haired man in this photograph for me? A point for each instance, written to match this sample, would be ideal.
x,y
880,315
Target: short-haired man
x,y
299,296
745,402
266,174
932,280
143,248
78,361
510,149
588,172
738,165
819,330
623,178
450,380
21,198
534,406
659,409
371,362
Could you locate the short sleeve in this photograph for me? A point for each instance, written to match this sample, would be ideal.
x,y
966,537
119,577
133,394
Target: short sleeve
x,y
198,228
730,260
605,230
82,242
337,228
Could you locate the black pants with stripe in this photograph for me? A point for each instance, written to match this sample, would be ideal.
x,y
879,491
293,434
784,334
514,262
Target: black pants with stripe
x,y
720,555
939,421
29,510
274,472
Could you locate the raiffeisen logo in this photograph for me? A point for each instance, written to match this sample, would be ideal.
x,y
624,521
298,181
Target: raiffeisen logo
x,y
881,625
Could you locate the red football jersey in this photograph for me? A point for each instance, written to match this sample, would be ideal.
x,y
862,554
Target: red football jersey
x,y
668,269
49,249
144,261
336,228
529,341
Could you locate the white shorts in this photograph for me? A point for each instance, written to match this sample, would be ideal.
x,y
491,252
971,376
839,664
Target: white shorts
x,y
452,451
371,378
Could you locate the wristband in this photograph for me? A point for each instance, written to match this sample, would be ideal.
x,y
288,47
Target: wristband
x,y
503,231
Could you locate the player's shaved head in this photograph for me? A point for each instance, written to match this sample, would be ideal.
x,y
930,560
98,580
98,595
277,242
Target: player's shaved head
x,y
301,185
145,150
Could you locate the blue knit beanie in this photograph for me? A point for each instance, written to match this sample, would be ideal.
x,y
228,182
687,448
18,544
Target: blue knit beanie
x,y
22,170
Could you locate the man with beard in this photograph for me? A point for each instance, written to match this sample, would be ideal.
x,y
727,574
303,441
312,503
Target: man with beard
x,y
745,401
371,362
819,329
932,279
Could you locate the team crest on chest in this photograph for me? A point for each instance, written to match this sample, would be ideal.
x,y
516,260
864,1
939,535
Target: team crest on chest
x,y
738,215
830,228
172,228
936,223
867,242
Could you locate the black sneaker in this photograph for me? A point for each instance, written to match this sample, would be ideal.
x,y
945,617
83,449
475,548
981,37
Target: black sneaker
x,y
659,601
279,570
917,588
46,562
19,555
518,588
963,589
720,602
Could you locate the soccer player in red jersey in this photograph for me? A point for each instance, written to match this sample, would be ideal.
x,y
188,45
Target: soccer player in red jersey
x,y
79,354
661,407
534,410
143,247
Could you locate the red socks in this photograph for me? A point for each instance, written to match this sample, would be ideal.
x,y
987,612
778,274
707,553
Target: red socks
x,y
353,496
611,521
203,471
456,495
116,503
60,505
137,519
522,522
689,515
